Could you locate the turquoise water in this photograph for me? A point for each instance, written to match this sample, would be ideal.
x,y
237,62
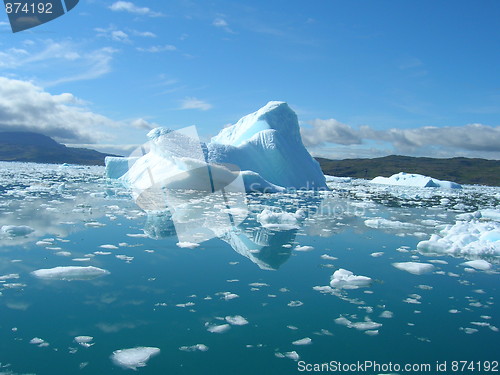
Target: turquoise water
x,y
165,296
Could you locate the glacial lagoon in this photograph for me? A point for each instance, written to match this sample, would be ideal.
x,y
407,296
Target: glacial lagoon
x,y
92,284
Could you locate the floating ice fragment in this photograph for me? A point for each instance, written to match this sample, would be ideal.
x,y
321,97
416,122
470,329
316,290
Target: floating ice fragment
x,y
194,348
474,237
377,254
343,321
328,257
304,341
218,328
70,273
292,355
37,341
187,245
279,220
478,264
304,248
134,357
9,276
108,246
85,341
258,285
386,314
367,325
469,331
236,320
415,268
344,279
94,224
295,303
124,257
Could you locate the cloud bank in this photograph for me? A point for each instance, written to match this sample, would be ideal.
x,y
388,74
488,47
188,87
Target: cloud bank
x,y
467,140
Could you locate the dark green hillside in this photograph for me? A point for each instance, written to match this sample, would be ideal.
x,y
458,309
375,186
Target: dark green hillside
x,y
38,148
461,170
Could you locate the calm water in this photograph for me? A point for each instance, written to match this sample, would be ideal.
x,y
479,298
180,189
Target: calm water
x,y
158,294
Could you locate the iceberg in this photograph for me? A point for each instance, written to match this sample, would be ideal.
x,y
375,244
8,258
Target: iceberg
x,y
70,273
344,279
263,150
416,180
473,237
134,357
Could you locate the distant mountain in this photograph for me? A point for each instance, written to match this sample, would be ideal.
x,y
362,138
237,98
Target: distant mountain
x,y
38,148
461,170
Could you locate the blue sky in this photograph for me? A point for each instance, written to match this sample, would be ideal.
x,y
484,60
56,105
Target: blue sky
x,y
366,78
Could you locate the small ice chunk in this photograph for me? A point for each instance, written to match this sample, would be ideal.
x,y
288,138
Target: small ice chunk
x,y
367,325
328,257
194,348
70,273
304,248
415,268
343,321
108,246
295,303
85,341
218,328
347,280
292,355
187,245
386,314
377,254
236,320
134,357
304,341
478,264
37,341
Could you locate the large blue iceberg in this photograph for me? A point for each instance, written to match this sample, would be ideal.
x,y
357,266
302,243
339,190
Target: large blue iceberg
x,y
263,151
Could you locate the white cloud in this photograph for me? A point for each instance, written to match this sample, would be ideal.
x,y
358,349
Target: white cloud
x,y
144,34
157,49
141,123
127,6
468,140
113,34
222,23
53,57
194,103
332,131
27,107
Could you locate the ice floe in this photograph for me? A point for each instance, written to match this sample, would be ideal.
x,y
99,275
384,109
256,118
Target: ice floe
x,y
304,341
194,348
218,328
70,273
468,238
236,320
347,280
134,357
415,268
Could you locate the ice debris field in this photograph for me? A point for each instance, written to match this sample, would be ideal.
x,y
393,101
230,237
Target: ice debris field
x,y
103,270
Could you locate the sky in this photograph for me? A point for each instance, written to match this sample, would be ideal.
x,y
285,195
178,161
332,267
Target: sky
x,y
366,78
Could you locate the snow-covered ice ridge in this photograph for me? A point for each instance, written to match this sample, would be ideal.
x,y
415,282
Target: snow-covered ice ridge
x,y
264,148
